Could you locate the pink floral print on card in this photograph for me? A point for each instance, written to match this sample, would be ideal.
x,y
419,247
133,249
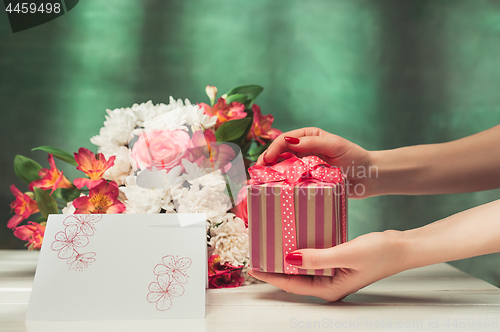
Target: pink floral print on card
x,y
170,276
78,228
174,268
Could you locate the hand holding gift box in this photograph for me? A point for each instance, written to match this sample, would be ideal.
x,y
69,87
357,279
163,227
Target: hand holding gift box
x,y
295,204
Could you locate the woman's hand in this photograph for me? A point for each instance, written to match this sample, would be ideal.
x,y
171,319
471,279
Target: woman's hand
x,y
353,159
358,263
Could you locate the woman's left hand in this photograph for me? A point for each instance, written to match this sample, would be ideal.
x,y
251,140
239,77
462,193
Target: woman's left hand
x,y
358,263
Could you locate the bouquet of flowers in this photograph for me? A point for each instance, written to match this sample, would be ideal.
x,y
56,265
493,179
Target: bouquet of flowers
x,y
165,158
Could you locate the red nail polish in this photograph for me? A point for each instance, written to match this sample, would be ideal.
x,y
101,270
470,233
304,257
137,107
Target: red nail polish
x,y
264,157
292,140
294,258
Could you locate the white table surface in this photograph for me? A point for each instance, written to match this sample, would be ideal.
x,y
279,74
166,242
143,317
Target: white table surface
x,y
433,298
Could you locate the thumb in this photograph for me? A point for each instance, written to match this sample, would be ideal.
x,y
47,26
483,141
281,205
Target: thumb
x,y
338,256
330,146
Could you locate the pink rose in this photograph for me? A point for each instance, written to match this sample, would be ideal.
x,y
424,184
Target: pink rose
x,y
162,149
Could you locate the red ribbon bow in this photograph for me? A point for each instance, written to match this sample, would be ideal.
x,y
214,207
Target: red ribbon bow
x,y
292,171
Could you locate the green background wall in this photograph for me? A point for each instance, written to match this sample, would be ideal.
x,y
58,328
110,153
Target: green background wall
x,y
382,73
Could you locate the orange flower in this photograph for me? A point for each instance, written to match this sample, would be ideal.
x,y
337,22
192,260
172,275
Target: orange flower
x,y
102,198
224,111
23,206
33,233
93,166
261,127
206,148
51,178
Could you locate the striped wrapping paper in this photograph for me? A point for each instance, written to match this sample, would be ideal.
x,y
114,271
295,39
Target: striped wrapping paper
x,y
321,222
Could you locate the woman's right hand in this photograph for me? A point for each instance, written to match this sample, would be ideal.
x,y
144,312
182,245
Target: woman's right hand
x,y
354,161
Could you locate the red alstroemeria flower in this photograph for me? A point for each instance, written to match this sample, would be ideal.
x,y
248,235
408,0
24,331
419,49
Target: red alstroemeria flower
x,y
223,275
261,127
224,111
33,233
241,208
51,178
93,166
23,206
206,148
102,198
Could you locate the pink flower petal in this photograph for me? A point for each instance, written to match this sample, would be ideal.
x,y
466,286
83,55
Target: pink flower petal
x,y
164,281
71,231
164,303
175,290
154,297
183,263
80,241
66,252
58,245
180,276
160,269
154,287
169,262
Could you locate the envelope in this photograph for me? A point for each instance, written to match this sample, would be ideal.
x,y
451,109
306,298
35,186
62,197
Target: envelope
x,y
121,266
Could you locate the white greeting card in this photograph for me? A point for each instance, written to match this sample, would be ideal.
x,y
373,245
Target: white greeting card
x,y
121,266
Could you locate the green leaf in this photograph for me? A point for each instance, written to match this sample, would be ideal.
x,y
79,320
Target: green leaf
x,y
254,153
240,98
66,194
26,169
40,219
252,91
46,203
233,130
58,153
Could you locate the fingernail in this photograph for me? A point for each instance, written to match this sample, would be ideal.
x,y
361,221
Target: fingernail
x,y
292,140
264,157
294,258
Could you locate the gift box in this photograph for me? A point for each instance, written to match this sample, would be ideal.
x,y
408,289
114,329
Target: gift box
x,y
296,204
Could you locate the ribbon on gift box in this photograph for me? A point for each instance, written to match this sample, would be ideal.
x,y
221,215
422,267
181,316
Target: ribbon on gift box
x,y
293,171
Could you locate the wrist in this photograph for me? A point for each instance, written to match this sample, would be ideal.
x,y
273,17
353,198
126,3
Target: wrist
x,y
400,248
375,183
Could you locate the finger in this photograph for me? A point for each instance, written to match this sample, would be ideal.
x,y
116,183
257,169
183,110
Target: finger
x,y
344,255
323,287
279,145
332,146
298,284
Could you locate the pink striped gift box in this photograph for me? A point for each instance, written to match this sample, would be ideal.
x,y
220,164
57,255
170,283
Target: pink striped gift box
x,y
320,213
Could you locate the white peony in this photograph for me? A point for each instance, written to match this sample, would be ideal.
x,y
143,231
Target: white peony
x,y
122,167
195,115
142,200
229,240
201,200
117,128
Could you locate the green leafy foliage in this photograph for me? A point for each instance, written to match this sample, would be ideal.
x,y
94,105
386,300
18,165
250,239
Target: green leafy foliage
x,y
58,153
46,203
66,194
245,94
233,131
254,153
26,169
